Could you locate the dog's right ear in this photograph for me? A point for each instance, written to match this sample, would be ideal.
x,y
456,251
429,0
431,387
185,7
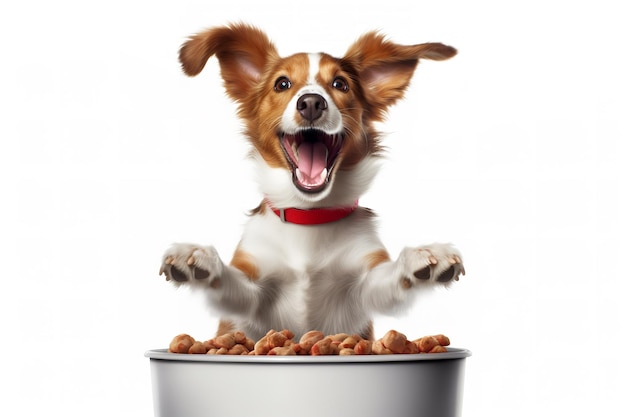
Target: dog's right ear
x,y
242,50
386,68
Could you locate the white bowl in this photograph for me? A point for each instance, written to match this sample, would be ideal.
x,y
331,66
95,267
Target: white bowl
x,y
419,385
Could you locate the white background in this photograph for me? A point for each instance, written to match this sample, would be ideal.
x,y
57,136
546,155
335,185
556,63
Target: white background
x,y
512,150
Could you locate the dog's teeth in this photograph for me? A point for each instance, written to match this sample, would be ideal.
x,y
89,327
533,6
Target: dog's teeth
x,y
299,175
324,173
294,149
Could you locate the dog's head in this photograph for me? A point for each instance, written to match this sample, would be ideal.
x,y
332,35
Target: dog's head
x,y
310,116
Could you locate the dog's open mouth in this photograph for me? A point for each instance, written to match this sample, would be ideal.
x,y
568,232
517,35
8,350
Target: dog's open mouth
x,y
312,154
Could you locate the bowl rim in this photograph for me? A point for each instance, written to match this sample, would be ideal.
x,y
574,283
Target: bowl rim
x,y
165,355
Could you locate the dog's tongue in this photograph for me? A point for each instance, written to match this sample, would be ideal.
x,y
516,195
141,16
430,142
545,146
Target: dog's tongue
x,y
312,159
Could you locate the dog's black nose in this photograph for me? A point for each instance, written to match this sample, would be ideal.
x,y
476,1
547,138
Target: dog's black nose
x,y
311,106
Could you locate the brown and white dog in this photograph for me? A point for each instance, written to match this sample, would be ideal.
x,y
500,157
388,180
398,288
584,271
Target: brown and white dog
x,y
310,257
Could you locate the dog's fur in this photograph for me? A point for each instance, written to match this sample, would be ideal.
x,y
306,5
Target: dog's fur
x,y
330,277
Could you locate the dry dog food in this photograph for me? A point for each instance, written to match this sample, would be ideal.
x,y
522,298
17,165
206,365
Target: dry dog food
x,y
311,343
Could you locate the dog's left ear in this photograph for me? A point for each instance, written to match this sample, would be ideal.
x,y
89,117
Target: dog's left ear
x,y
242,50
385,68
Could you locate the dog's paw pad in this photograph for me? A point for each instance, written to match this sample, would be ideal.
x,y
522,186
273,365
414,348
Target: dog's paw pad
x,y
447,275
177,275
200,274
423,274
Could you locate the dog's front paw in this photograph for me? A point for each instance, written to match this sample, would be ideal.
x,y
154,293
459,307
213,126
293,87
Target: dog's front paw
x,y
440,263
191,263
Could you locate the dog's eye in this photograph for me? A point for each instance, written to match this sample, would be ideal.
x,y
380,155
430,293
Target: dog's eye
x,y
340,84
282,84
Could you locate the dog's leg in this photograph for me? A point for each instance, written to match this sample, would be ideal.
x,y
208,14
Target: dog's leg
x,y
391,285
227,288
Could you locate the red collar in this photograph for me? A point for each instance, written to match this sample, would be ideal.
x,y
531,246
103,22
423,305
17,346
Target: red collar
x,y
315,215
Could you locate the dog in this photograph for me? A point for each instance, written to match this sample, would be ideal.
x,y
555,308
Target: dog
x,y
310,257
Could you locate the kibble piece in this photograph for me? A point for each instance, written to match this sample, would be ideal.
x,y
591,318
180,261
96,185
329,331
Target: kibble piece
x,y
394,341
378,348
426,343
363,347
226,341
282,351
198,348
249,344
438,349
349,342
307,341
238,350
324,347
339,337
411,348
181,343
210,344
276,340
443,340
262,347
287,333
